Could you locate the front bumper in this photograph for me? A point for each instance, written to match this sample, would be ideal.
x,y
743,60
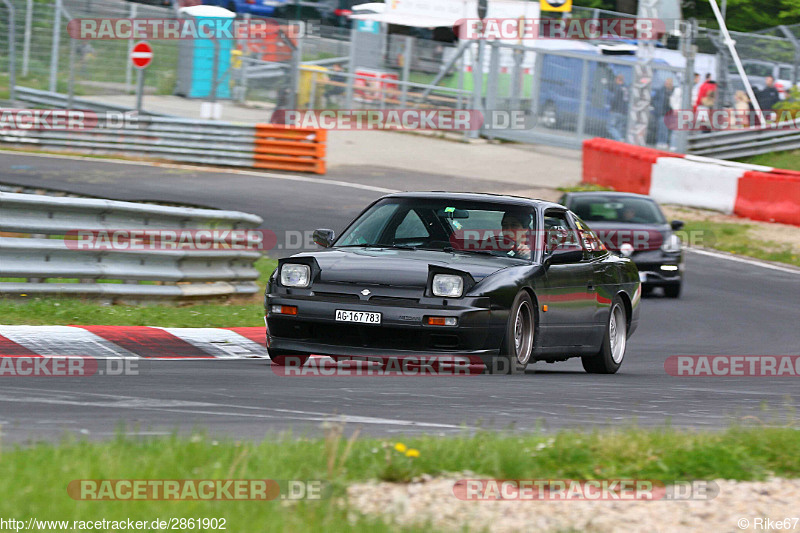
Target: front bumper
x,y
650,265
403,330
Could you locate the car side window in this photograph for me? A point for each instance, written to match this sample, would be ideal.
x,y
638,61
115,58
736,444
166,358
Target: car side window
x,y
589,239
557,231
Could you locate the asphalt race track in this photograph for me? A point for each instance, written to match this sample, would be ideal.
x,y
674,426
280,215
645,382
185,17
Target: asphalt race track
x,y
729,307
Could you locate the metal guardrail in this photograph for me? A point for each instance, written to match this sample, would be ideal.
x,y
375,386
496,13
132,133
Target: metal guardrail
x,y
746,142
47,262
171,138
62,101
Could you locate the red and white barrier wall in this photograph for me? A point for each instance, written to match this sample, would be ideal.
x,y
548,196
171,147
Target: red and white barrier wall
x,y
752,191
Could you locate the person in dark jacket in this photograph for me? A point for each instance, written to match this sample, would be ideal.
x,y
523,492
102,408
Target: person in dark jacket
x,y
618,105
661,109
768,96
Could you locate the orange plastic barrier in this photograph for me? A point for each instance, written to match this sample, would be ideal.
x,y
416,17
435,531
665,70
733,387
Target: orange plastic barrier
x,y
285,148
621,166
773,196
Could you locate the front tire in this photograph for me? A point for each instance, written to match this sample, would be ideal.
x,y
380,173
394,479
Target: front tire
x,y
516,351
615,341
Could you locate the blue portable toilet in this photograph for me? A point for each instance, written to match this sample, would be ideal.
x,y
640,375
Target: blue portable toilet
x,y
196,56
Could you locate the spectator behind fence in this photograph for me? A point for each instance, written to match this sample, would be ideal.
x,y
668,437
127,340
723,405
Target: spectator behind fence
x,y
618,105
704,93
332,91
661,109
742,107
768,96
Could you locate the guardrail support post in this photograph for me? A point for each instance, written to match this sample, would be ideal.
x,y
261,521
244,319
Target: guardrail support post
x,y
55,46
12,67
26,43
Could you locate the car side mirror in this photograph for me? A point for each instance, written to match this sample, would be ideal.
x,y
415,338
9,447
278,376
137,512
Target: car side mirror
x,y
324,237
676,225
565,255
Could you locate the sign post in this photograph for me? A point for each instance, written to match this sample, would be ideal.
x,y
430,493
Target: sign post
x,y
141,56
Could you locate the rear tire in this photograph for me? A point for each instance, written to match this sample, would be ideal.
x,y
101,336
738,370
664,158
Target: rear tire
x,y
615,341
516,351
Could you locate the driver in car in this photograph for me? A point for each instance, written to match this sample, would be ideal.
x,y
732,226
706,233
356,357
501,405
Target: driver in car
x,y
515,237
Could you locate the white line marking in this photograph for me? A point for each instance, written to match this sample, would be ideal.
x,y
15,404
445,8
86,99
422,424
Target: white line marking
x,y
151,404
286,177
737,259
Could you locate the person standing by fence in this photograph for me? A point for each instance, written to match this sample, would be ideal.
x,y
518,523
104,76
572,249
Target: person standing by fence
x,y
661,111
618,105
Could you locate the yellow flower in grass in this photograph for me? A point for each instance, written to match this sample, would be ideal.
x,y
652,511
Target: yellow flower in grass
x,y
412,452
400,447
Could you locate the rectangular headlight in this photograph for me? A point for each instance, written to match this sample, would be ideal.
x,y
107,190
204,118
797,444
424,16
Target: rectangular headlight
x,y
295,275
448,285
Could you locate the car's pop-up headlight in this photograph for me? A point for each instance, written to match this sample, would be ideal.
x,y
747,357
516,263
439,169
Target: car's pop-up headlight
x,y
673,244
295,275
448,285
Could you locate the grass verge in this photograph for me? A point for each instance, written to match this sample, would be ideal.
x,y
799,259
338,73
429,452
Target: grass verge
x,y
54,311
737,239
789,160
35,477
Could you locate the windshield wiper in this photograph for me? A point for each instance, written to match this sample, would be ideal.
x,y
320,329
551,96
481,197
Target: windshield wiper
x,y
452,250
365,245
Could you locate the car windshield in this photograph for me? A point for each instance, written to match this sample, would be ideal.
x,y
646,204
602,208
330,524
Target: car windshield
x,y
440,224
617,209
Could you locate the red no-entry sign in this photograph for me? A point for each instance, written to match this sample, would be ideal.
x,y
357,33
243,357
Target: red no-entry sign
x,y
141,55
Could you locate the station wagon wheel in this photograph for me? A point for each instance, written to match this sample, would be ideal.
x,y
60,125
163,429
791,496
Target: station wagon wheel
x,y
615,341
517,348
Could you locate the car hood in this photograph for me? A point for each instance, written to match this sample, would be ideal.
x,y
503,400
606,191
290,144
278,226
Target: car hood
x,y
409,268
642,237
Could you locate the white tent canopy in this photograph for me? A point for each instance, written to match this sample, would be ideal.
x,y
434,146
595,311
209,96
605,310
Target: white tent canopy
x,y
446,13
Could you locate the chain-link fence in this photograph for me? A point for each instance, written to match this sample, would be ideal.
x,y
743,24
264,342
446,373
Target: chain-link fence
x,y
567,92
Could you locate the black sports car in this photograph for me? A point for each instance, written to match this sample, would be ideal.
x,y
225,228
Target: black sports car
x,y
634,226
505,279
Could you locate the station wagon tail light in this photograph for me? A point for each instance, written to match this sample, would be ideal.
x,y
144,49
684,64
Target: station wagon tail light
x,y
442,321
447,285
295,275
283,309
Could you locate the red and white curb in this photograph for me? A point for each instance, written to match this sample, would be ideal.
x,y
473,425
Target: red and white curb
x,y
132,342
751,191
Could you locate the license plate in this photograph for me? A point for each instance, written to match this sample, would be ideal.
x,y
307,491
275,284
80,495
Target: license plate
x,y
362,317
642,276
